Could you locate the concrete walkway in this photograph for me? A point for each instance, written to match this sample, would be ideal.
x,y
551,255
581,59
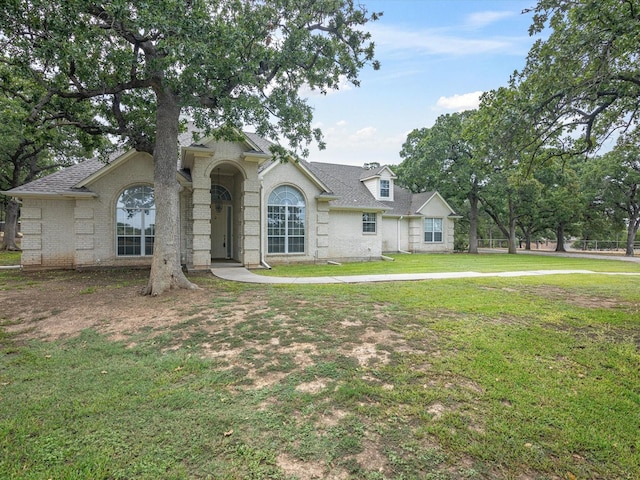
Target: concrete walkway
x,y
236,273
241,274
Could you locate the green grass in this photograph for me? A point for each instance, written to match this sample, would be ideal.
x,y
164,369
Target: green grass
x,y
10,258
424,263
452,379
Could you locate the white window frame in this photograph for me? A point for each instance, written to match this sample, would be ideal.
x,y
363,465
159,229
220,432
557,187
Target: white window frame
x,y
369,219
283,204
142,231
386,189
433,230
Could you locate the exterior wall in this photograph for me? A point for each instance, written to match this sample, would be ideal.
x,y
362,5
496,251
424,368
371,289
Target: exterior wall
x,y
436,208
73,233
348,242
100,213
317,215
417,243
48,228
395,234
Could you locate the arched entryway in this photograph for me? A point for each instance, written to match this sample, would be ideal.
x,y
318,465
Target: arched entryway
x,y
226,184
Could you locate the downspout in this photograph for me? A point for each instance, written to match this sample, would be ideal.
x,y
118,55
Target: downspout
x,y
263,262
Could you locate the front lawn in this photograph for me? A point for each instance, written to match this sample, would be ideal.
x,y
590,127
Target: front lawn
x,y
9,258
425,263
508,378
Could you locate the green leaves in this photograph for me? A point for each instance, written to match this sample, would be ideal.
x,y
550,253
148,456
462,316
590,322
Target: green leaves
x,y
583,81
235,59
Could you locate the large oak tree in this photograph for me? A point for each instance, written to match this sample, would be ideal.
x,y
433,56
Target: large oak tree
x,y
582,82
226,63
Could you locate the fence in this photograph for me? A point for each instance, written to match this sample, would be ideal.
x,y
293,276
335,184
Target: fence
x,y
602,245
581,245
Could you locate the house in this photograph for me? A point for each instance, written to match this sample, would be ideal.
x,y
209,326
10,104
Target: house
x,y
236,203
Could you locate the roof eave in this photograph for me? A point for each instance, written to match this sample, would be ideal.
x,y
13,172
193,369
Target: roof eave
x,y
256,157
359,208
65,194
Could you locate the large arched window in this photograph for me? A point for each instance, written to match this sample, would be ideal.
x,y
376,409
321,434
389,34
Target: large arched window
x,y
135,221
286,221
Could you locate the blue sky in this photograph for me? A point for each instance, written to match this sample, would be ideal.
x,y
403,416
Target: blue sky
x,y
437,56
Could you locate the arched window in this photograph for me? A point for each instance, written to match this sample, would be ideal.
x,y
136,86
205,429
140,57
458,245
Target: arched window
x,y
135,221
219,193
286,221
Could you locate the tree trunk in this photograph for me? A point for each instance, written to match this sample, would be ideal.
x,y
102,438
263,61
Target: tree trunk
x,y
560,237
512,228
11,226
473,223
166,270
632,231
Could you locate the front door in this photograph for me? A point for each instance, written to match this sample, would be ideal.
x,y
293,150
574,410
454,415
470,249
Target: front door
x,y
221,232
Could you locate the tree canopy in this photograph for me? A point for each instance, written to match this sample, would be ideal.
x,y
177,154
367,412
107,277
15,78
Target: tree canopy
x,y
225,63
582,83
32,140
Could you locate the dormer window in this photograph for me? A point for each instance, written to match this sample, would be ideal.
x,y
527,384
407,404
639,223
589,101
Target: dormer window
x,y
384,189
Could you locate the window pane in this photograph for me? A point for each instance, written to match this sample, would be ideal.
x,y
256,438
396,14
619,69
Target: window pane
x,y
276,244
433,230
384,188
369,222
286,221
128,245
296,245
135,221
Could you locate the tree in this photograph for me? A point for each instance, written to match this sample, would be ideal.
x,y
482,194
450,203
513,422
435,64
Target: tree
x,y
31,144
224,62
562,202
582,82
442,158
503,146
618,174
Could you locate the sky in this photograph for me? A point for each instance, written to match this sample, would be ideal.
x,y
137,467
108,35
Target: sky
x,y
437,57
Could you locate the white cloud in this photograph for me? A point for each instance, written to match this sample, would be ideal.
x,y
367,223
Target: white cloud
x,y
482,19
433,43
459,103
365,133
342,123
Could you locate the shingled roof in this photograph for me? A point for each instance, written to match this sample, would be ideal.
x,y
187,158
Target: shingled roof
x,y
62,182
407,203
344,182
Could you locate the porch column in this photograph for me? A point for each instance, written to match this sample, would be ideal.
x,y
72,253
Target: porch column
x,y
251,223
201,214
322,232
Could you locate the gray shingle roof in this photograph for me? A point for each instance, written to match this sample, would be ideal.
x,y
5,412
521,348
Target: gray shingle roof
x,y
62,182
405,202
344,181
263,144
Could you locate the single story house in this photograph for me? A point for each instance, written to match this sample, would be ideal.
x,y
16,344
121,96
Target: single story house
x,y
236,203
